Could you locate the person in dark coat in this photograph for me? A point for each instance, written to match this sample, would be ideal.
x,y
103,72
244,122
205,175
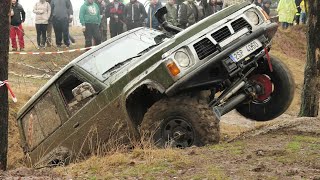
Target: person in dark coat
x,y
18,16
152,21
212,7
61,12
104,23
188,14
134,14
115,11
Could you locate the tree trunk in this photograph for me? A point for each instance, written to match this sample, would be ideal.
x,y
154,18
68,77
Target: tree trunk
x,y
4,49
310,92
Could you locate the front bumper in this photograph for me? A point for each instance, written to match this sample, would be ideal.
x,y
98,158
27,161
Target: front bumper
x,y
266,32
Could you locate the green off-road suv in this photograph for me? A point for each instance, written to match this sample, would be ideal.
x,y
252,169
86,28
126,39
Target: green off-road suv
x,y
170,87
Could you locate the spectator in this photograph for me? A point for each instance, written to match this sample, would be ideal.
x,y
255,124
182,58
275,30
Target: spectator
x,y
18,16
303,16
134,14
227,3
200,6
188,14
152,21
266,6
115,11
212,7
171,16
286,10
297,16
42,9
258,3
61,12
90,20
49,29
104,23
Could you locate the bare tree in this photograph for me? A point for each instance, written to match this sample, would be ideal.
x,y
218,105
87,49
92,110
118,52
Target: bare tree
x,y
4,49
310,92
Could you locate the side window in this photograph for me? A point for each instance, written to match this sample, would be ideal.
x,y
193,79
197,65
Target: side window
x,y
40,121
75,92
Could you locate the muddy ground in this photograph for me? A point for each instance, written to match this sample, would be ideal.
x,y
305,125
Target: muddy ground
x,y
286,148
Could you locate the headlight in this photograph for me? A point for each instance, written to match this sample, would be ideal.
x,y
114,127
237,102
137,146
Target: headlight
x,y
253,17
182,59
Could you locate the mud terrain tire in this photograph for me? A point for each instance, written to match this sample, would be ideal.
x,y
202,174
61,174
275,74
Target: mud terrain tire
x,y
180,115
280,98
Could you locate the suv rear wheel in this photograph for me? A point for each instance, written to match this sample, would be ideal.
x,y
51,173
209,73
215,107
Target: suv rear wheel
x,y
180,122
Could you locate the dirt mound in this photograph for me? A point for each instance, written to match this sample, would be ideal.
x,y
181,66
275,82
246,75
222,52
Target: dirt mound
x,y
293,126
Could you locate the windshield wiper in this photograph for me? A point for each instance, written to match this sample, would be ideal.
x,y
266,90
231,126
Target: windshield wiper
x,y
118,65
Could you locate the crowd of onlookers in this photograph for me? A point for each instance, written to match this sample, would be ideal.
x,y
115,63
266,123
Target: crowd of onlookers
x,y
94,15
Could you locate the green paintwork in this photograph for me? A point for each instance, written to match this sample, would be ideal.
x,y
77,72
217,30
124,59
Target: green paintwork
x,y
106,113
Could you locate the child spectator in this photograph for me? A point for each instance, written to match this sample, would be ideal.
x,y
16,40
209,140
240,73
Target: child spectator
x,y
42,9
18,16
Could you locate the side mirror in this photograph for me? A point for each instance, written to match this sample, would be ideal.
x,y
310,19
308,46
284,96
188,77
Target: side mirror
x,y
83,91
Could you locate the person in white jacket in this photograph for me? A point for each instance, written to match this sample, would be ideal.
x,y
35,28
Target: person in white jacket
x,y
42,9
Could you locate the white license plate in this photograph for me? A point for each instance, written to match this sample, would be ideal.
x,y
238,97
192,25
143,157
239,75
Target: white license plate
x,y
245,50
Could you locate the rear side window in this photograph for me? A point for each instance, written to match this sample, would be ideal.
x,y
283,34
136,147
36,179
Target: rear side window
x,y
40,121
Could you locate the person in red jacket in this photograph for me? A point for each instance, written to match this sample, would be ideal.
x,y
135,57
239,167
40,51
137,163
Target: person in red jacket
x,y
18,16
114,11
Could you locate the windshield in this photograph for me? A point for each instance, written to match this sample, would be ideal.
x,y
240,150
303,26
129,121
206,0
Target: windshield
x,y
113,54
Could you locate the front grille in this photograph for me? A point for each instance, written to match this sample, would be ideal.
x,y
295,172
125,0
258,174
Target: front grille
x,y
239,24
204,48
221,34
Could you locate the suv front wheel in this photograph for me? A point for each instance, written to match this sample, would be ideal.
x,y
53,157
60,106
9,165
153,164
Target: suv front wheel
x,y
180,122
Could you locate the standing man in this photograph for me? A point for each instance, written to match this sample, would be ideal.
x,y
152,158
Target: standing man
x,y
134,14
171,16
49,29
188,14
104,23
115,11
18,16
61,14
152,21
90,20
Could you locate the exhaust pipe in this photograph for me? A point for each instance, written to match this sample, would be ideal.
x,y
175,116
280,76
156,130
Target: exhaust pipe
x,y
168,27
